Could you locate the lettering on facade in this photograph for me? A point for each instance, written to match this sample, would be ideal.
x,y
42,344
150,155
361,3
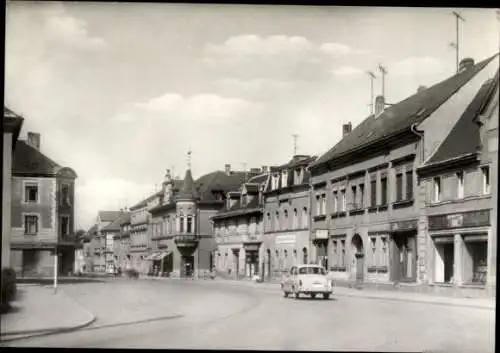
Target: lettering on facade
x,y
321,234
285,239
403,226
457,220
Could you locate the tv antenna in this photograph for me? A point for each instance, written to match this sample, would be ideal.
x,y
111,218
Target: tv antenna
x,y
295,137
383,71
456,44
372,78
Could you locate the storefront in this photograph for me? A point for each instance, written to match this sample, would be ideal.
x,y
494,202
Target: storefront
x,y
460,247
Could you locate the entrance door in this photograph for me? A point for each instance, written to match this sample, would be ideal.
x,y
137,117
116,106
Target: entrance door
x,y
449,259
360,265
29,262
187,266
404,257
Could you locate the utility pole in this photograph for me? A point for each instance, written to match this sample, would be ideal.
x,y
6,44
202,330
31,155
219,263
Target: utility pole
x,y
295,137
372,78
456,44
383,71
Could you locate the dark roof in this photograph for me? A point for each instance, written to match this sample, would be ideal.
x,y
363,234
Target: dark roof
x,y
464,138
177,186
125,219
12,123
261,178
115,225
295,162
29,160
109,216
252,188
188,190
239,208
220,181
401,116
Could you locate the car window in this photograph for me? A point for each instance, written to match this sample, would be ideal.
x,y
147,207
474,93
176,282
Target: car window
x,y
312,271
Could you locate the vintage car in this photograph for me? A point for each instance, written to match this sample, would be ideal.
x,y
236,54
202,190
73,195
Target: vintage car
x,y
307,279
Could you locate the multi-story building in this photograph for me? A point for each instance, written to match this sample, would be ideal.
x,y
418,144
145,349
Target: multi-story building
x,y
238,230
109,234
458,180
43,219
181,222
89,249
99,240
287,207
370,203
121,242
12,124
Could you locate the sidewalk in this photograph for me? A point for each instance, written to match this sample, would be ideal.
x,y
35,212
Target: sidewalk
x,y
483,303
40,311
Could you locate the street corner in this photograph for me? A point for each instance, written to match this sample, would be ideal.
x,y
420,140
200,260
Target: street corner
x,y
41,311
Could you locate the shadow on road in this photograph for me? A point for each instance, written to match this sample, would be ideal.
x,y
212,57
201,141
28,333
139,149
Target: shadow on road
x,y
163,318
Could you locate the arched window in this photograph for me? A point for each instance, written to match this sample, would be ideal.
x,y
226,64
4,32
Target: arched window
x,y
277,221
295,220
285,222
305,218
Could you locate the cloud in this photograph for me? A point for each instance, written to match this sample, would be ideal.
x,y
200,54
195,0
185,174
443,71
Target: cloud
x,y
258,88
107,194
256,45
335,49
411,66
347,71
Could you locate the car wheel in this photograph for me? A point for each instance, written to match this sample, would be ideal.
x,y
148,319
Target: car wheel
x,y
326,295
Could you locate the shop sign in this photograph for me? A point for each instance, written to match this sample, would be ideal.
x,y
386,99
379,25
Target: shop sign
x,y
285,239
457,220
403,226
321,234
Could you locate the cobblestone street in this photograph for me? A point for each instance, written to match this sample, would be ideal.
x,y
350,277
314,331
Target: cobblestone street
x,y
199,314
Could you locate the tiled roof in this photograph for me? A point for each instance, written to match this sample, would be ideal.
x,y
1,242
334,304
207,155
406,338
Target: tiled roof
x,y
261,178
7,113
125,219
108,216
239,208
464,138
220,181
177,186
115,225
403,115
12,123
252,188
29,160
290,166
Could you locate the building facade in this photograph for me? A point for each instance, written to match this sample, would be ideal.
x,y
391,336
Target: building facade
x,y
99,250
121,243
366,196
42,219
287,207
459,179
182,232
238,230
12,124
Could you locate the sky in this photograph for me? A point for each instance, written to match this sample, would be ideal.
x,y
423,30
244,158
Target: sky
x,y
120,92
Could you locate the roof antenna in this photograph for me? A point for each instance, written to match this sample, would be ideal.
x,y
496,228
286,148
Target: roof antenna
x,y
372,78
458,18
295,137
383,71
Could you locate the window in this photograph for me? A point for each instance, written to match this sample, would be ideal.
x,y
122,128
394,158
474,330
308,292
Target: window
x,y
31,224
374,251
181,224
269,216
335,252
384,252
342,201
304,218
323,204
64,225
189,225
335,202
383,183
399,187
361,196
342,252
485,171
460,185
277,221
437,189
373,193
318,205
31,193
295,219
275,181
284,178
354,197
285,225
65,194
298,176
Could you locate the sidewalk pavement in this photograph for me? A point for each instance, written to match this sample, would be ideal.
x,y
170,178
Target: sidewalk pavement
x,y
39,311
483,303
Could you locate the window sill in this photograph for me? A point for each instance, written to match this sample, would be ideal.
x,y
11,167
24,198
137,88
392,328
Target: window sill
x,y
372,209
383,207
402,203
467,198
338,214
356,211
319,218
30,234
377,269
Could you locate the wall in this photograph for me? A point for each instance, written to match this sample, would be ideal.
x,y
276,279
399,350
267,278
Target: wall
x,y
46,208
6,198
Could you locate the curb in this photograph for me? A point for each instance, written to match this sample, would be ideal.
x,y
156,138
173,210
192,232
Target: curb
x,y
18,335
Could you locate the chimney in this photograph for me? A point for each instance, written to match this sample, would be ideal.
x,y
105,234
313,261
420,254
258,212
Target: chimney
x,y
34,140
264,169
465,64
228,169
379,105
346,129
421,88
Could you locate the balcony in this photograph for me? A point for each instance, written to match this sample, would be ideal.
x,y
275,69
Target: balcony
x,y
186,240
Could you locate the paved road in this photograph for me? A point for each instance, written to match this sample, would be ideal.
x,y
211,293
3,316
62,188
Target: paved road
x,y
189,314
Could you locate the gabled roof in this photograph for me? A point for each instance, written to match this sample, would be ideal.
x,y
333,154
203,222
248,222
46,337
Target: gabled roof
x,y
221,182
115,225
176,187
464,138
29,160
401,116
108,216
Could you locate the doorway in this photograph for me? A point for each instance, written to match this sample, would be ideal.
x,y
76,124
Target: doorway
x,y
322,253
29,262
359,256
404,257
187,266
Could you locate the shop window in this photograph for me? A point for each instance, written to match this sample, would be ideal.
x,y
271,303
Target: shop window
x,y
436,189
476,261
485,172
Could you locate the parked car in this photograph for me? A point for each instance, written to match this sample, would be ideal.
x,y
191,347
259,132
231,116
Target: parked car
x,y
307,279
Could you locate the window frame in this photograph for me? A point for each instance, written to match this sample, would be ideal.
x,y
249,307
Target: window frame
x,y
460,184
384,197
399,186
30,184
436,189
61,217
485,180
25,223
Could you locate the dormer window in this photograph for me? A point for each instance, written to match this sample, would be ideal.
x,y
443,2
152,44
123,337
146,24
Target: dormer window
x,y
298,177
284,178
275,181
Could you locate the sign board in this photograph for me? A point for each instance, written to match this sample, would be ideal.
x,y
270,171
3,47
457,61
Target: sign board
x,y
401,226
321,234
459,220
285,239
